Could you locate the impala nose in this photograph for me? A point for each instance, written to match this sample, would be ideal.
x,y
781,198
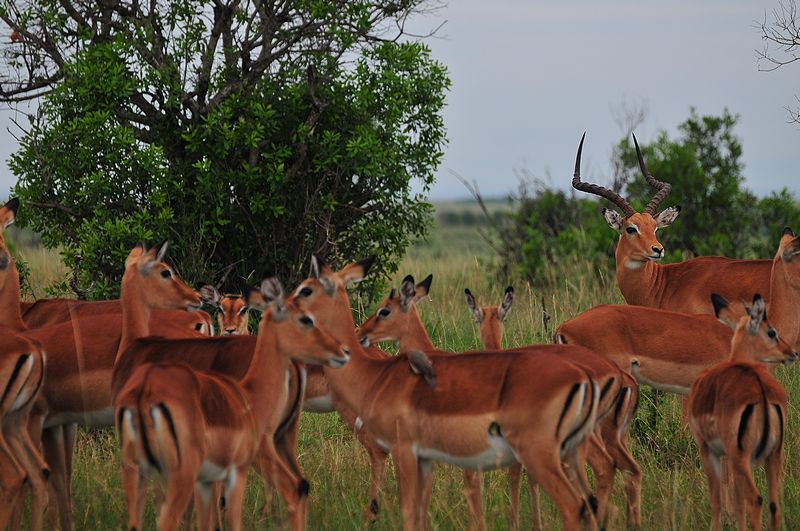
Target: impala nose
x,y
658,251
230,331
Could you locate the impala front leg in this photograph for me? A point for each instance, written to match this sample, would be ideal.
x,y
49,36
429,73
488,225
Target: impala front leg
x,y
472,490
407,483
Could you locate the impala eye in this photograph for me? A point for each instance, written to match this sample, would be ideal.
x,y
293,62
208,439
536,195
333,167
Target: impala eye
x,y
306,321
166,273
631,230
243,310
306,292
384,312
772,333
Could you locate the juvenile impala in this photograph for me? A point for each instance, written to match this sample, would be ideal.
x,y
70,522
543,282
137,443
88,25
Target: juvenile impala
x,y
487,410
397,318
683,286
198,427
737,409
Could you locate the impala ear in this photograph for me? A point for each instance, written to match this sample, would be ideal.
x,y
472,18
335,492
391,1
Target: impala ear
x,y
316,266
253,298
613,218
667,216
355,272
789,246
407,293
148,259
272,291
209,295
423,288
757,313
162,251
8,213
472,304
134,256
505,305
723,311
422,365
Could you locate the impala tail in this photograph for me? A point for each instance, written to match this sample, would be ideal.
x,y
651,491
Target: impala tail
x,y
23,383
578,415
761,426
146,416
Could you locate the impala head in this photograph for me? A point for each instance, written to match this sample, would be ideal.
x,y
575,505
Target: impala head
x,y
8,213
637,229
787,259
393,314
296,330
324,294
754,339
491,318
233,316
150,277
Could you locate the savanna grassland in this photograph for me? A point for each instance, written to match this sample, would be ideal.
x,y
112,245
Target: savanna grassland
x,y
674,494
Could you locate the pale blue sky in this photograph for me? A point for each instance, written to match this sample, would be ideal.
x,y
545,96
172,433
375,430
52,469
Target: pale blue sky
x,y
530,76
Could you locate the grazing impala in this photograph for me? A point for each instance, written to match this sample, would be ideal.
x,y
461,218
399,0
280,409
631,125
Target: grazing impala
x,y
397,318
22,366
737,409
488,410
682,286
199,427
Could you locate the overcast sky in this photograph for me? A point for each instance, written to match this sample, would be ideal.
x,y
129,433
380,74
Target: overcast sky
x,y
530,76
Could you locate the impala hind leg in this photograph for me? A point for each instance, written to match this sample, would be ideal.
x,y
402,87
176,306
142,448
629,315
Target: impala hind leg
x,y
774,467
286,446
34,465
206,496
604,470
623,460
545,468
12,484
55,453
536,507
234,496
293,489
472,490
748,499
178,496
514,478
711,464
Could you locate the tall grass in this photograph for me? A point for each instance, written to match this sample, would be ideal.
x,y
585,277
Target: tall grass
x,y
675,495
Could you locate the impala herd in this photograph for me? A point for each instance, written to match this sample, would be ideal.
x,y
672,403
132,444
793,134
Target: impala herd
x,y
199,411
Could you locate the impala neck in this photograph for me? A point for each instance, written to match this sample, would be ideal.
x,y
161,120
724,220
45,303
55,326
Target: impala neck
x,y
784,299
135,313
415,335
10,312
352,382
637,280
492,334
266,376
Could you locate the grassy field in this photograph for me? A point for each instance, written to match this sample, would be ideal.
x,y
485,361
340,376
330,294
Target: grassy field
x,y
675,495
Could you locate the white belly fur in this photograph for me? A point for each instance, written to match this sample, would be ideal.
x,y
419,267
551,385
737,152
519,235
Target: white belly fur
x,y
498,455
319,404
97,419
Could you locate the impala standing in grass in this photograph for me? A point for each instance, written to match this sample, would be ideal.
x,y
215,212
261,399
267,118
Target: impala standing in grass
x,y
737,409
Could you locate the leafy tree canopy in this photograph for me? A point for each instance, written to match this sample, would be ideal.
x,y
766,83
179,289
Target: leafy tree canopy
x,y
250,135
